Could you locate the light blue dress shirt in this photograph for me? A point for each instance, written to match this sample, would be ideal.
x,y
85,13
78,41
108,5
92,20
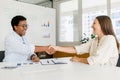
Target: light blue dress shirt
x,y
17,48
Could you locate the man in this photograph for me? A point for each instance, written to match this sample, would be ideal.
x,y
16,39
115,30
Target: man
x,y
17,48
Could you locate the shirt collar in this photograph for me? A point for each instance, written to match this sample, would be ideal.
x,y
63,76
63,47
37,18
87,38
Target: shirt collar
x,y
18,36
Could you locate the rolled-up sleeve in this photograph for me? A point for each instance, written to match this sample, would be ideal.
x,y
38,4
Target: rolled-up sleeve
x,y
83,48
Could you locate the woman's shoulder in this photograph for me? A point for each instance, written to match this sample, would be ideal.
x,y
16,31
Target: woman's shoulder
x,y
105,38
109,38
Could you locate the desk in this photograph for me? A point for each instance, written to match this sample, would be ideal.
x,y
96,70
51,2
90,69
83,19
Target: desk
x,y
70,71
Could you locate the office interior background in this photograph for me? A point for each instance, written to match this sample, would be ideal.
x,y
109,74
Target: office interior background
x,y
73,23
75,17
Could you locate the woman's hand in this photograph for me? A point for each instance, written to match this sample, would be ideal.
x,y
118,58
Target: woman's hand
x,y
75,59
51,50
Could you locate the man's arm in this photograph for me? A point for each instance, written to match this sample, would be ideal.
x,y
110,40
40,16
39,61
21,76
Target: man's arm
x,y
40,48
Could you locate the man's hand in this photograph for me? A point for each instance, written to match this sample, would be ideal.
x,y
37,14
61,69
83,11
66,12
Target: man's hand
x,y
35,59
51,50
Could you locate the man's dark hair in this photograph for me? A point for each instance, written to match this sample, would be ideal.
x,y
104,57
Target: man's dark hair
x,y
15,20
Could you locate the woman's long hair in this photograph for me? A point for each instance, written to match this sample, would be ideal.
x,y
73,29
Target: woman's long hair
x,y
106,26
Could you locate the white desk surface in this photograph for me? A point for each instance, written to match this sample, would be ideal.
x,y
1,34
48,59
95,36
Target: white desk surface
x,y
70,71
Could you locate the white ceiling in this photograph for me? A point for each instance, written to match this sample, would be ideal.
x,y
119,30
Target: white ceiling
x,y
33,1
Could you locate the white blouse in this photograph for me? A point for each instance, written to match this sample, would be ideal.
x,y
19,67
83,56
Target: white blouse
x,y
104,53
17,48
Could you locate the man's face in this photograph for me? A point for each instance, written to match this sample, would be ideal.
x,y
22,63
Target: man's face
x,y
21,28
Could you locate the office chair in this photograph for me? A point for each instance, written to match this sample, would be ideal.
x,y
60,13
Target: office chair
x,y
118,63
2,55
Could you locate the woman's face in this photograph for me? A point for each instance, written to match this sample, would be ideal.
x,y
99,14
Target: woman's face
x,y
96,28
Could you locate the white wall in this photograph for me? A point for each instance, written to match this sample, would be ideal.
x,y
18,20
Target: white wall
x,y
41,21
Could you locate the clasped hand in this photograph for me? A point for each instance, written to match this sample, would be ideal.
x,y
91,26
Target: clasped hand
x,y
51,50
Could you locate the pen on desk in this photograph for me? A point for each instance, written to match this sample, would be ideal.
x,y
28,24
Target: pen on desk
x,y
53,61
18,64
47,61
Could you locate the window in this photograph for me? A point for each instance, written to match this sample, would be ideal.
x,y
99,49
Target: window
x,y
90,11
75,18
115,15
68,21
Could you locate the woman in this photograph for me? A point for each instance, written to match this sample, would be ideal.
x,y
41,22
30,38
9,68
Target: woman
x,y
103,49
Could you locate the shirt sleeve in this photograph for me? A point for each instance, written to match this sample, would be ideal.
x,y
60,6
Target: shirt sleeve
x,y
105,51
14,46
83,48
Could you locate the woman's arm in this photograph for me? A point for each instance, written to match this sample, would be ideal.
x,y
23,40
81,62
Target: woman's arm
x,y
80,49
66,49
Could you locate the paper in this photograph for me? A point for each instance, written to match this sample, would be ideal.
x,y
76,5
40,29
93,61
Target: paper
x,y
9,67
46,62
52,62
58,62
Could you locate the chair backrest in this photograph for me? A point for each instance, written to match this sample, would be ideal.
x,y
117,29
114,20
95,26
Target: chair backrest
x,y
2,55
118,63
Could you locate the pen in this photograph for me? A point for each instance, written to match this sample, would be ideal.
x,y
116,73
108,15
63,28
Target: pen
x,y
18,64
47,61
53,61
9,67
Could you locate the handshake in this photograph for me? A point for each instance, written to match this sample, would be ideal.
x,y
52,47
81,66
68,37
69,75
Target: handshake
x,y
51,49
48,49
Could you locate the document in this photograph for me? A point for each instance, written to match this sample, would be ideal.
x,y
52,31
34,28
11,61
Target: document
x,y
58,62
9,67
46,62
52,62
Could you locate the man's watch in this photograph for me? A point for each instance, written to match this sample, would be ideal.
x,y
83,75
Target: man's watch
x,y
33,55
